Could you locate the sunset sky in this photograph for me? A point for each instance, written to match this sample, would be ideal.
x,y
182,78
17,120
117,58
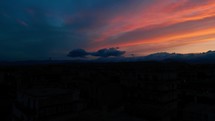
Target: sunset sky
x,y
39,29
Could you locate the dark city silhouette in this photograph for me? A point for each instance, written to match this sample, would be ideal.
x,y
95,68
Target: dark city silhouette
x,y
130,91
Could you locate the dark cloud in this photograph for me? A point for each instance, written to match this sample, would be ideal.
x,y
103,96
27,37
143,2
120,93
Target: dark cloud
x,y
78,53
106,52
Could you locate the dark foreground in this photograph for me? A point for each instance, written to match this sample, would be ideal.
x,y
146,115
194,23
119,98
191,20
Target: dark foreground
x,y
143,91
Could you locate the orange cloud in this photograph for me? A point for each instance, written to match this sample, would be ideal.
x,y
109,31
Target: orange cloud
x,y
199,15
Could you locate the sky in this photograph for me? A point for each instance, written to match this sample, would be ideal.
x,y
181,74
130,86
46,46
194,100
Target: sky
x,y
39,29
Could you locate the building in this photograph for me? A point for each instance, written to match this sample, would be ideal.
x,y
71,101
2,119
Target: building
x,y
154,96
47,105
199,112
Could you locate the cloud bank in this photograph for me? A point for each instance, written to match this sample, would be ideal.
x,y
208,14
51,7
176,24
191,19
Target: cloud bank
x,y
106,52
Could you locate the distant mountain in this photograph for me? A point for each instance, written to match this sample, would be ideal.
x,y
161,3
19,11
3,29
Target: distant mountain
x,y
206,57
